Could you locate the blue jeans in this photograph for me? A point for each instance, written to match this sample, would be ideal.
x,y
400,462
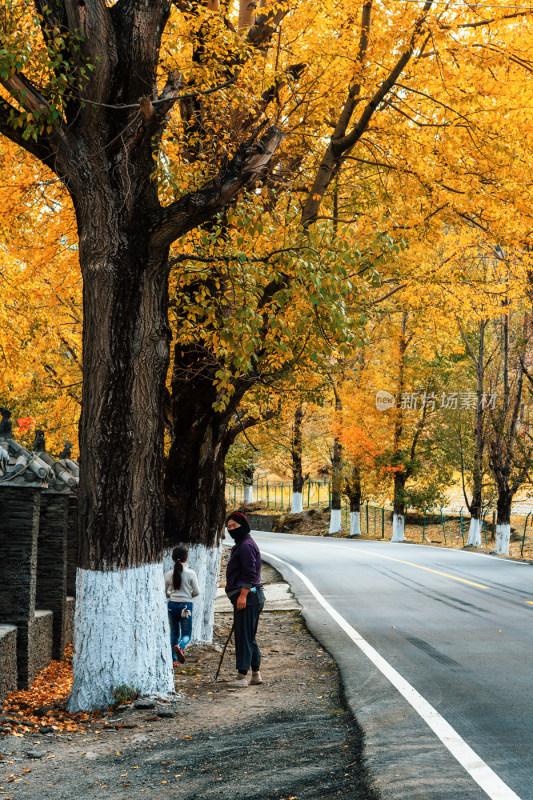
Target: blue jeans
x,y
180,627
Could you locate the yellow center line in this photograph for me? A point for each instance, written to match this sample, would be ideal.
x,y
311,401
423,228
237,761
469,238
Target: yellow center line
x,y
398,561
529,602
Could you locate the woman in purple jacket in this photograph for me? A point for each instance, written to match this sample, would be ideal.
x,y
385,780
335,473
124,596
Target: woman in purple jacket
x,y
243,587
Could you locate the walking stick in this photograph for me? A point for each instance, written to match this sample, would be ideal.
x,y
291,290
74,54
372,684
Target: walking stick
x,y
223,651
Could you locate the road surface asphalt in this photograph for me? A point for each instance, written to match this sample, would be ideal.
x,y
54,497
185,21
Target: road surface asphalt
x,y
456,626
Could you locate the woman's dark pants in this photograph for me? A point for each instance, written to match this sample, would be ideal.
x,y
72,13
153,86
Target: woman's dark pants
x,y
247,652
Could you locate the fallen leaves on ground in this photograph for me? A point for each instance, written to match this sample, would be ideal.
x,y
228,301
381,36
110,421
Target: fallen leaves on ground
x,y
43,704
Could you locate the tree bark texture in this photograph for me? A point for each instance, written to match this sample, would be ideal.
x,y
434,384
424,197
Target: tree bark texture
x,y
195,478
475,503
101,142
298,479
398,514
352,489
126,347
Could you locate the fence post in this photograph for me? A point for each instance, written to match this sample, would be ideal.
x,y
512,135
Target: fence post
x,y
308,493
367,532
268,496
462,526
383,522
443,528
524,535
493,525
485,529
375,523
318,491
424,527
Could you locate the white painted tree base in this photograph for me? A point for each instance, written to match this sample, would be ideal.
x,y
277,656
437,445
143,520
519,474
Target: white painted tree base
x,y
474,533
205,561
503,537
248,495
297,504
335,520
355,523
398,528
121,636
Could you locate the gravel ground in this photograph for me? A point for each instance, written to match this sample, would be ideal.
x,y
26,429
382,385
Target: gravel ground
x,y
290,739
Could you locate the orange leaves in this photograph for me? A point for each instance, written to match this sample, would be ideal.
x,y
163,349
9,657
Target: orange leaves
x,y
25,424
43,705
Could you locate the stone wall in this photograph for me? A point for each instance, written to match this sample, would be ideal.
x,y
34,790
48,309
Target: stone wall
x,y
52,564
72,544
69,620
40,643
19,526
8,660
38,546
261,522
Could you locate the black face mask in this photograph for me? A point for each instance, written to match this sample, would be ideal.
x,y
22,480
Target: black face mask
x,y
237,534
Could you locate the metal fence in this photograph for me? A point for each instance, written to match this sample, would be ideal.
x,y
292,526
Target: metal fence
x,y
445,526
277,495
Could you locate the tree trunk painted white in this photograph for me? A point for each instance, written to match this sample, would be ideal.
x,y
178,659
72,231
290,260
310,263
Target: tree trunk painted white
x,y
503,535
297,504
355,523
474,533
205,561
335,520
398,528
248,495
121,636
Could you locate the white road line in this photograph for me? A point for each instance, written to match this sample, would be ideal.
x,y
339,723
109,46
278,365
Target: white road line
x,y
483,775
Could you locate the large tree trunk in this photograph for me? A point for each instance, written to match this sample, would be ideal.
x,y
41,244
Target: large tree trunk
x,y
475,504
353,490
400,476
195,478
248,482
121,631
298,479
335,521
503,519
398,513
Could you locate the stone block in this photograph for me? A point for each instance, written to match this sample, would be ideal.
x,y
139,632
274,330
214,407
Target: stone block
x,y
19,525
52,564
8,660
72,544
69,620
34,647
261,522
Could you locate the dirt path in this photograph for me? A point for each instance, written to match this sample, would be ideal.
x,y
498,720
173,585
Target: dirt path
x,y
289,739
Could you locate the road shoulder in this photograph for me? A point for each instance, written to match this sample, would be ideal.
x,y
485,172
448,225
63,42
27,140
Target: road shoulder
x,y
292,737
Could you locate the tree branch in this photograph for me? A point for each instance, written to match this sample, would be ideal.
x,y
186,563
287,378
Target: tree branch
x,y
40,149
243,424
341,143
195,208
344,143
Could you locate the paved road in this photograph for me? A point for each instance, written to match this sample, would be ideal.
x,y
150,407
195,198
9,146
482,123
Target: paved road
x,y
457,626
